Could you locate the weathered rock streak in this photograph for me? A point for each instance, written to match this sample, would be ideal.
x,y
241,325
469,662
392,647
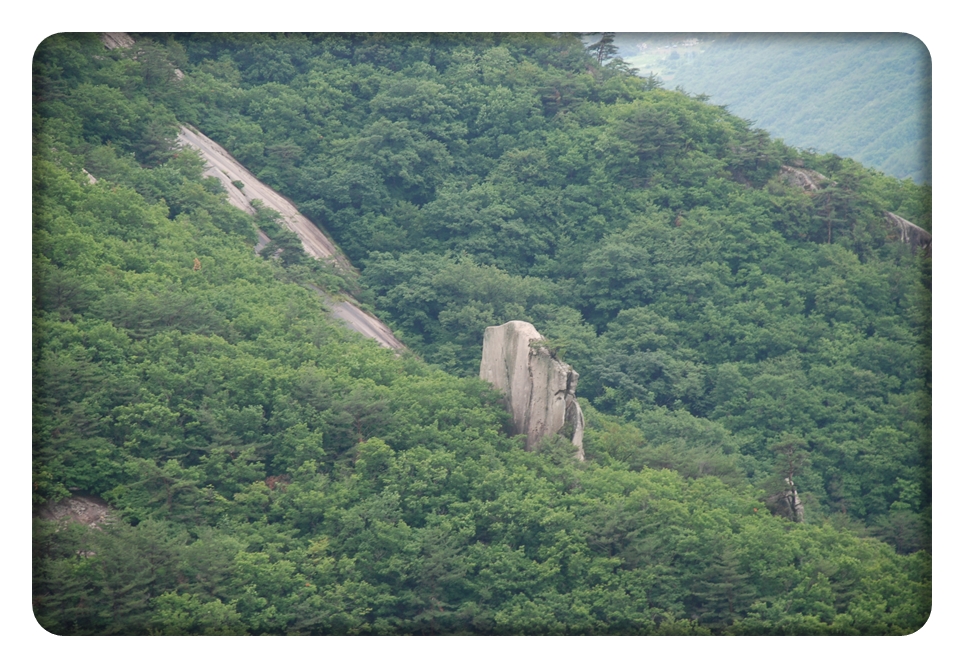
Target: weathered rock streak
x,y
116,40
227,169
540,390
910,234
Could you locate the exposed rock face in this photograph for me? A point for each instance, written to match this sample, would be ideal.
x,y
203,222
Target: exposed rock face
x,y
916,237
90,510
802,178
226,169
540,390
116,40
907,232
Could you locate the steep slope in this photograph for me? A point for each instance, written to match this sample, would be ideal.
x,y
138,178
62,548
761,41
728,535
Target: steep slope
x,y
711,289
223,166
743,343
228,171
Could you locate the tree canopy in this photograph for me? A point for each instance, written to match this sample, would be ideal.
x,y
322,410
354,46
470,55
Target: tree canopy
x,y
271,472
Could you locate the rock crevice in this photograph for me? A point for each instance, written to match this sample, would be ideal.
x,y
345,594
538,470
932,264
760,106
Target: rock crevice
x,y
540,391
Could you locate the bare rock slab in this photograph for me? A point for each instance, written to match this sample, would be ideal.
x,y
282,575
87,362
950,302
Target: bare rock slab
x,y
90,510
540,390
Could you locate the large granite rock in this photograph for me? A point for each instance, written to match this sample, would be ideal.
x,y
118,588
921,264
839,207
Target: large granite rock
x,y
540,390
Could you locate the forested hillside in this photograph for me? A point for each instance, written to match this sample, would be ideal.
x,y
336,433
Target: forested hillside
x,y
866,96
740,340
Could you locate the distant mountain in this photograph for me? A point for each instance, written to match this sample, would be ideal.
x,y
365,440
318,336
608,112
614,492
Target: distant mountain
x,y
864,96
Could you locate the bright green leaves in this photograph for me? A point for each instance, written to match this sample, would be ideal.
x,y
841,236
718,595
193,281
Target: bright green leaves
x,y
447,302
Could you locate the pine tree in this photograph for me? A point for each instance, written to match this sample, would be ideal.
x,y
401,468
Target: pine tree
x,y
722,594
604,49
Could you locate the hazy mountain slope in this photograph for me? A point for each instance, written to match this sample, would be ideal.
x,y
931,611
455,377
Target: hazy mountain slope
x,y
864,96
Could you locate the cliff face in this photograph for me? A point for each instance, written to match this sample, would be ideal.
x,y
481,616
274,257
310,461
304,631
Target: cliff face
x,y
540,391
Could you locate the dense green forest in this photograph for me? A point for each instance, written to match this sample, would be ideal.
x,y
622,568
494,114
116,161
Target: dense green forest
x,y
866,96
270,472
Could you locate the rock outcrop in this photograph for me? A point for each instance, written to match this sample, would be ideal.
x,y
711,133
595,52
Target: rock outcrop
x,y
540,390
223,166
116,40
807,179
907,232
90,510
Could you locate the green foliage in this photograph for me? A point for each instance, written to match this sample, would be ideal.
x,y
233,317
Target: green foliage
x,y
271,472
604,49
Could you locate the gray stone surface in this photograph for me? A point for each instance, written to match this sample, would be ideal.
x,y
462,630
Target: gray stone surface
x,y
540,390
907,232
116,40
225,168
916,237
90,510
802,178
